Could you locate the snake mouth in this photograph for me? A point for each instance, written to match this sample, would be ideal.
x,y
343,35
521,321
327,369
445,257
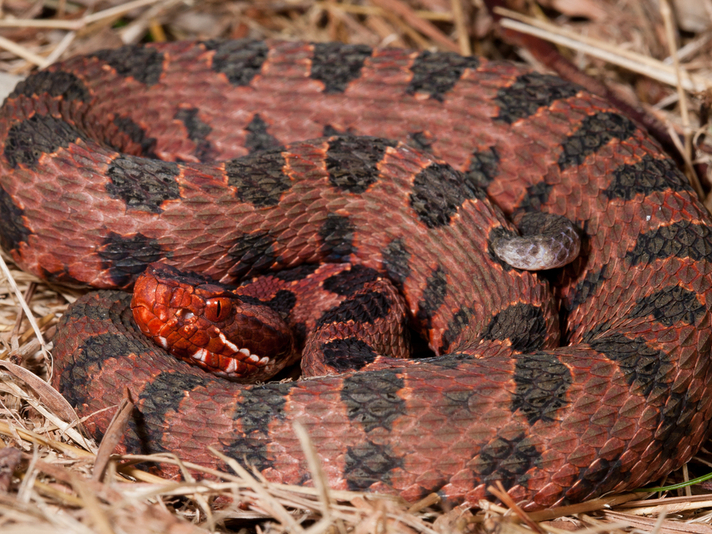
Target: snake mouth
x,y
205,324
228,366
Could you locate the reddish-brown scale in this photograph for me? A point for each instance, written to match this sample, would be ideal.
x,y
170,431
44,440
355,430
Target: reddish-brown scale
x,y
611,399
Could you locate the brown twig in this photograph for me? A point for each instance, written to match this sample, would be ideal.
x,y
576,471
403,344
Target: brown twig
x,y
113,435
425,27
503,496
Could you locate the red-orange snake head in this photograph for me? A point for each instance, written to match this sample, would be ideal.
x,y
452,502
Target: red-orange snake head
x,y
207,325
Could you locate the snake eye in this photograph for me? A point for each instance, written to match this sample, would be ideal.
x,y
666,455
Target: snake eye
x,y
217,309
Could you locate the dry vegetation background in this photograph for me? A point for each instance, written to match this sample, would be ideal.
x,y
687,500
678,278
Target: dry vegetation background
x,y
650,53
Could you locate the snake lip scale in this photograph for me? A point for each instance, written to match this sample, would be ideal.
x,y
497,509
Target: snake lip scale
x,y
592,379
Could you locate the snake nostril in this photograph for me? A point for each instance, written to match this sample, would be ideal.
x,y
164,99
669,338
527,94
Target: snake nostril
x,y
185,314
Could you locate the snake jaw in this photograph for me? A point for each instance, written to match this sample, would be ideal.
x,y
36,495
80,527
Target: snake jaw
x,y
206,325
246,354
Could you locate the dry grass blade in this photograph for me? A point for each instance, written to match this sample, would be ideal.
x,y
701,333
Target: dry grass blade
x,y
666,13
113,436
134,31
91,505
22,52
429,500
25,308
318,475
12,431
46,393
442,16
117,11
42,23
463,39
503,496
61,47
422,25
67,429
273,506
672,504
639,63
653,524
584,507
73,25
28,517
9,460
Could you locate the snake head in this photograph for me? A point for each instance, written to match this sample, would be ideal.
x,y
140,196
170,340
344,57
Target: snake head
x,y
204,323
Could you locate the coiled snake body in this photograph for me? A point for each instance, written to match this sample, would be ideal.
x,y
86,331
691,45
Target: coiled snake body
x,y
612,397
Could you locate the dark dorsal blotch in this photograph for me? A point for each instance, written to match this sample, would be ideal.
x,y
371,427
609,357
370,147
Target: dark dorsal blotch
x,y
644,177
41,134
352,162
143,184
522,324
483,167
53,83
143,64
542,384
136,135
198,132
240,61
437,73
438,192
594,132
530,92
683,239
337,64
259,178
126,257
258,137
